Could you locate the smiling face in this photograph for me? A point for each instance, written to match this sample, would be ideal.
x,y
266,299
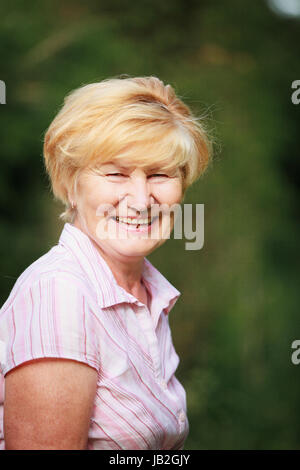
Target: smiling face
x,y
111,191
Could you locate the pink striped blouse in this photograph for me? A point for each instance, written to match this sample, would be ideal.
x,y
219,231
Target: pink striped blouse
x,y
68,304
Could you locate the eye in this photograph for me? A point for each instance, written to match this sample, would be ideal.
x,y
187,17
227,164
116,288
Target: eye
x,y
158,174
115,174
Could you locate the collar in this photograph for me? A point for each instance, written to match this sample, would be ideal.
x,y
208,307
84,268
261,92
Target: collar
x,y
109,292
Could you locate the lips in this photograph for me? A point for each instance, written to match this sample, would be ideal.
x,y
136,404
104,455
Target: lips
x,y
135,227
131,218
137,221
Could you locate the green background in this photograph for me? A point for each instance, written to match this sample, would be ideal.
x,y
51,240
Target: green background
x,y
233,62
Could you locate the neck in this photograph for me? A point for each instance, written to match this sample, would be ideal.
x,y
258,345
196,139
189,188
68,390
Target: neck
x,y
127,272
129,276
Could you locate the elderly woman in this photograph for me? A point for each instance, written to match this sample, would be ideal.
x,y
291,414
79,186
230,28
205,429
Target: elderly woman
x,y
87,353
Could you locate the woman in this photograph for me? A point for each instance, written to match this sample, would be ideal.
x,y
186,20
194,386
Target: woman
x,y
87,353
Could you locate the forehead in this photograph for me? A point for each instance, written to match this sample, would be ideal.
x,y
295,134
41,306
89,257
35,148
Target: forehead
x,y
127,167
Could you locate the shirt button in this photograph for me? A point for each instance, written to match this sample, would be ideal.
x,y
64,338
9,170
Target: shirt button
x,y
164,384
181,416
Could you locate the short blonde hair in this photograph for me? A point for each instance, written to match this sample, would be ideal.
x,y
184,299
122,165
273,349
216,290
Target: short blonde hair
x,y
139,120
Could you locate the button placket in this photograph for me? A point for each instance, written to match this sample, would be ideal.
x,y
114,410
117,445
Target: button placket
x,y
163,384
147,326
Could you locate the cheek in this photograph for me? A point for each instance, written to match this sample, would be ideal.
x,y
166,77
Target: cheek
x,y
171,193
94,195
91,200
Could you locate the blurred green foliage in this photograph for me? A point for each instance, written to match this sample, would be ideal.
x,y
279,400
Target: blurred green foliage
x,y
233,62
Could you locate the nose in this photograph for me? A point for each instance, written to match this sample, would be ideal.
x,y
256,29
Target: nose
x,y
139,193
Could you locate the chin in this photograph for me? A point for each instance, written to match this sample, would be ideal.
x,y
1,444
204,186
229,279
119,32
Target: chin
x,y
134,248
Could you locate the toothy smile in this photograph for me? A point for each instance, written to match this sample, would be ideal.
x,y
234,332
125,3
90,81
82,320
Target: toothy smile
x,y
128,221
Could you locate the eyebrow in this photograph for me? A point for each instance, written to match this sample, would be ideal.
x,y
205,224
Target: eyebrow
x,y
116,165
127,168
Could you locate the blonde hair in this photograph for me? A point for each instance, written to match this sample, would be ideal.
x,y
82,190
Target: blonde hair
x,y
138,120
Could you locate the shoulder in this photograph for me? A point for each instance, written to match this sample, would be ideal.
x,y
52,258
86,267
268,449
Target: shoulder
x,y
49,313
55,269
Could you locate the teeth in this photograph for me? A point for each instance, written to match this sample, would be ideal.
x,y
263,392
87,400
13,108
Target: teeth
x,y
133,221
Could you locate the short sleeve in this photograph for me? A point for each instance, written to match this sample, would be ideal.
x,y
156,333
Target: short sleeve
x,y
49,318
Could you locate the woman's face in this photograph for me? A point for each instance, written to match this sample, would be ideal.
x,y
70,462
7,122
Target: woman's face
x,y
111,191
